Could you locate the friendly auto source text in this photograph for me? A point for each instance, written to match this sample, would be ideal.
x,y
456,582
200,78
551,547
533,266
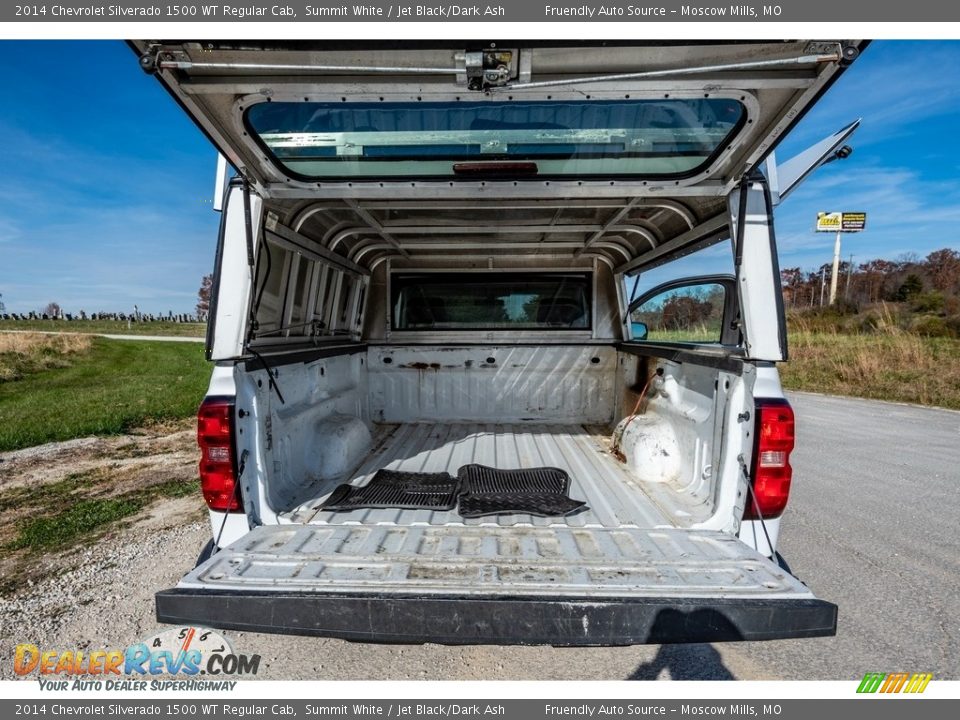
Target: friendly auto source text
x,y
737,709
604,11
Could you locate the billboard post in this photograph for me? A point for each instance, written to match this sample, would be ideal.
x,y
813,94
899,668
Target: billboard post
x,y
839,223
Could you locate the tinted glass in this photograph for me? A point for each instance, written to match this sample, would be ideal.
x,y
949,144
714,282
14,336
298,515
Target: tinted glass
x,y
656,138
502,301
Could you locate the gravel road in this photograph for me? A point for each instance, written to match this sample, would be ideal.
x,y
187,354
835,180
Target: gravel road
x,y
872,526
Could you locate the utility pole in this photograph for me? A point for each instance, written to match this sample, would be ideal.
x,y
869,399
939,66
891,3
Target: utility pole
x,y
823,277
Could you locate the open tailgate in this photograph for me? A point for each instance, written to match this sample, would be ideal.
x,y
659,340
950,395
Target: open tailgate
x,y
496,585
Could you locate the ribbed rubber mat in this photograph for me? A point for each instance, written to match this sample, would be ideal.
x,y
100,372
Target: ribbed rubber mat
x,y
529,491
478,479
401,490
539,504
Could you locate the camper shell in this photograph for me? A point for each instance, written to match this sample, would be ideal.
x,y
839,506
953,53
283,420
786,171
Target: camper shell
x,y
432,257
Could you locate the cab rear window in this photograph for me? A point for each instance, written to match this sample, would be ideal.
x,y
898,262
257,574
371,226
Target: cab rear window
x,y
482,301
657,138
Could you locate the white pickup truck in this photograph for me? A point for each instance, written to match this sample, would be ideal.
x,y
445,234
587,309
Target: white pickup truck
x,y
496,330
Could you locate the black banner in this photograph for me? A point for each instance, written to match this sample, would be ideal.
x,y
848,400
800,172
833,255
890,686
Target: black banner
x,y
296,11
211,707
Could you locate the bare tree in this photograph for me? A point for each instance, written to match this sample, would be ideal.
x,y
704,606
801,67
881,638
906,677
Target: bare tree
x,y
944,268
203,297
52,310
791,280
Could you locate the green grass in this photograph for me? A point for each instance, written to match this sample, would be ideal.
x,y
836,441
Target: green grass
x,y
113,387
75,523
699,334
894,366
171,489
43,495
110,327
84,518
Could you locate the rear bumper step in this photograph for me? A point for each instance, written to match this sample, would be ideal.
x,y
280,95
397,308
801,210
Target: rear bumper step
x,y
459,620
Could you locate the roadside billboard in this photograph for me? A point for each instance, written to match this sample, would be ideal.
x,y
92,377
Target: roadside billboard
x,y
841,222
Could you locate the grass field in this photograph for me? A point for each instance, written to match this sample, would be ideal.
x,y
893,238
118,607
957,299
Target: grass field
x,y
109,327
898,367
25,353
106,388
61,387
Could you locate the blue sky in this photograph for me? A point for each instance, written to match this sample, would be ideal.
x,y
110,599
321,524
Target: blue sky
x,y
106,185
905,168
105,195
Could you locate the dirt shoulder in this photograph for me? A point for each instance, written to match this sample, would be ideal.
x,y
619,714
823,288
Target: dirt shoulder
x,y
161,448
94,588
59,500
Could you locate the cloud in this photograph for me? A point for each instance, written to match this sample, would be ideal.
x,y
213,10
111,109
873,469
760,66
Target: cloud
x,y
894,86
906,212
74,220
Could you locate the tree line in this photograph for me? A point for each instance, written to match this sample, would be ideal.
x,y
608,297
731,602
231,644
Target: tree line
x,y
929,284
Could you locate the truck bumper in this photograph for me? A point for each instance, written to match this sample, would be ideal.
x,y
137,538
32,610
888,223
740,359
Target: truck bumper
x,y
453,620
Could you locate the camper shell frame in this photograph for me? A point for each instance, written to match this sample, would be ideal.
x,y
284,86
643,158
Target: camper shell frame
x,y
317,386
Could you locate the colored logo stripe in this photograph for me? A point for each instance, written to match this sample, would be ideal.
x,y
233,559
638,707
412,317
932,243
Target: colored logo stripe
x,y
870,683
918,683
894,682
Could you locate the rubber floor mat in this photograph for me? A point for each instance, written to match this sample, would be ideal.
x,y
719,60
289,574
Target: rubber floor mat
x,y
530,491
401,490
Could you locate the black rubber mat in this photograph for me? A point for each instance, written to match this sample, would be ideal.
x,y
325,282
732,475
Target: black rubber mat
x,y
478,479
539,504
530,491
401,490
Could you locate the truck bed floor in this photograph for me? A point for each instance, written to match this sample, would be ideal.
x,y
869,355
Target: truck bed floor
x,y
614,499
622,547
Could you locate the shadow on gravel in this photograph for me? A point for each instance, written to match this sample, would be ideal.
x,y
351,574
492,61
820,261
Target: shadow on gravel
x,y
684,662
688,661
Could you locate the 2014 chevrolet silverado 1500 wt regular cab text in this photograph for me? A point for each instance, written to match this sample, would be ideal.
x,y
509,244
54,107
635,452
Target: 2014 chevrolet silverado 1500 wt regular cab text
x,y
467,388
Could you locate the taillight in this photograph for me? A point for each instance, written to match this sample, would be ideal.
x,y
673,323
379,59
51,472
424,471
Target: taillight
x,y
218,476
771,471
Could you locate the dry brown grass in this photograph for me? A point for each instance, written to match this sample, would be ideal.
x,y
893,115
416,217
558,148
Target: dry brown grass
x,y
887,364
22,353
26,343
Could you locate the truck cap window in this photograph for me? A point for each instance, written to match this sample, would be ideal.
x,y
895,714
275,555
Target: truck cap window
x,y
666,137
488,301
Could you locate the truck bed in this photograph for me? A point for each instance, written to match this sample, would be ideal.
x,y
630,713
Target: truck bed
x,y
622,546
614,499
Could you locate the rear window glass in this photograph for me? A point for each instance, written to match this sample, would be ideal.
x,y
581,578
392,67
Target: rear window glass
x,y
481,301
667,137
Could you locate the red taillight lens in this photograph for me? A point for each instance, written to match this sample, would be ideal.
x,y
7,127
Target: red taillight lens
x,y
771,471
218,476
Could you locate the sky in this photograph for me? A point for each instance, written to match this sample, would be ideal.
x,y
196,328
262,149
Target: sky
x,y
106,189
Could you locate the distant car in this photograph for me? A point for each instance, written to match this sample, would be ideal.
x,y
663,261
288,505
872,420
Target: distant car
x,y
487,285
